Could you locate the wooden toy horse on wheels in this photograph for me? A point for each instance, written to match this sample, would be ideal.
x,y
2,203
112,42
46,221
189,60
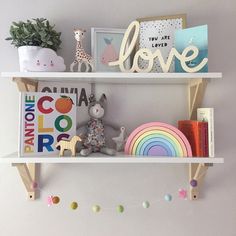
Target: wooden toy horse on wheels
x,y
81,57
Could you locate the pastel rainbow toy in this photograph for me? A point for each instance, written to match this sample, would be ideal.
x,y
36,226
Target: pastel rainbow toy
x,y
158,139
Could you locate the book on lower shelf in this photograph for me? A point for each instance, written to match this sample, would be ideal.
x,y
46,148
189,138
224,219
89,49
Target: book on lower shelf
x,y
45,118
81,90
207,115
197,134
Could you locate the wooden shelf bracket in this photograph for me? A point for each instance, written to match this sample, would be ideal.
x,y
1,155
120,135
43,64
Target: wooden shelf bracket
x,y
197,173
196,91
28,175
27,171
26,84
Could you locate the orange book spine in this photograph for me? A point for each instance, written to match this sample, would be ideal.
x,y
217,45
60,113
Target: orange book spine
x,y
203,137
197,134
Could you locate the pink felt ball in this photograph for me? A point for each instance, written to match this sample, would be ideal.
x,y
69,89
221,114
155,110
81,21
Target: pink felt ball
x,y
49,201
182,193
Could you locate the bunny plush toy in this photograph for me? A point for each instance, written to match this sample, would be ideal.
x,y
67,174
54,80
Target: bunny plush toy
x,y
94,140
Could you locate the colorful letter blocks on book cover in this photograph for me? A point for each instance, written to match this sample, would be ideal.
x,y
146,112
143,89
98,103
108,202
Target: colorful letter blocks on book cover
x,y
158,139
45,119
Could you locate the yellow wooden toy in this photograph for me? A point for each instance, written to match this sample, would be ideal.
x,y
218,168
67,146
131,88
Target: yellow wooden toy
x,y
68,145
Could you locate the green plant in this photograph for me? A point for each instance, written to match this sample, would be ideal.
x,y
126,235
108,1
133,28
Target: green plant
x,y
35,32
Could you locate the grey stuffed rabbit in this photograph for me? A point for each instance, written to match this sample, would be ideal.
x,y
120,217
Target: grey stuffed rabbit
x,y
95,137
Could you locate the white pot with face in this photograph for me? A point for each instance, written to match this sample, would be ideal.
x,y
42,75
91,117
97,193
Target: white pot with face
x,y
26,54
38,59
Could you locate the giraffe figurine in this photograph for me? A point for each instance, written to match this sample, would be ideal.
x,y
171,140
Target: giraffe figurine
x,y
81,56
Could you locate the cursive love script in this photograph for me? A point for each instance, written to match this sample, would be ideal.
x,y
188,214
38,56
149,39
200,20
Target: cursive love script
x,y
189,53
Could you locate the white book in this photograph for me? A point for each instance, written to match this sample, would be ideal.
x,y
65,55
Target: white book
x,y
45,118
81,90
207,115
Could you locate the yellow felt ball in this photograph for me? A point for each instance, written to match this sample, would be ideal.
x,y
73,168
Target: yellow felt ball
x,y
74,205
96,208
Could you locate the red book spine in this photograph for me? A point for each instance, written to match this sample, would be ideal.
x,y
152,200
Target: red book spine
x,y
189,129
204,139
197,134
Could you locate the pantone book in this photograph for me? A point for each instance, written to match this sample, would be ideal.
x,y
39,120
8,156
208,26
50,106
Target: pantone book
x,y
82,91
45,119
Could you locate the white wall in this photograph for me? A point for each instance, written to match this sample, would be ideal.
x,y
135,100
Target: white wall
x,y
109,185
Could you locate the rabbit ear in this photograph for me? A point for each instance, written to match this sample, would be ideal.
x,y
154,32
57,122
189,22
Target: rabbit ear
x,y
103,99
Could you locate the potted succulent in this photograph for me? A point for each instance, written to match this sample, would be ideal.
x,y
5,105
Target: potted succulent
x,y
37,42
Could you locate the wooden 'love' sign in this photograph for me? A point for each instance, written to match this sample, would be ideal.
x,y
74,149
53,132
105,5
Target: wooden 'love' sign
x,y
189,53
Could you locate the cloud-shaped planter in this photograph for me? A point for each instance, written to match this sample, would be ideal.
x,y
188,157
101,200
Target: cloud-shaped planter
x,y
39,59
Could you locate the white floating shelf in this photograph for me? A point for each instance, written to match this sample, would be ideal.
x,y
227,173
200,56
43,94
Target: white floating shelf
x,y
98,158
114,78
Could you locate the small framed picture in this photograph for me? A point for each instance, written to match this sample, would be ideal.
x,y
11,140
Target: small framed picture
x,y
105,46
196,36
158,33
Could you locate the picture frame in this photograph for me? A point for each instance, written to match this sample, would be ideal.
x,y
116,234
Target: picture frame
x,y
196,36
105,47
158,33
